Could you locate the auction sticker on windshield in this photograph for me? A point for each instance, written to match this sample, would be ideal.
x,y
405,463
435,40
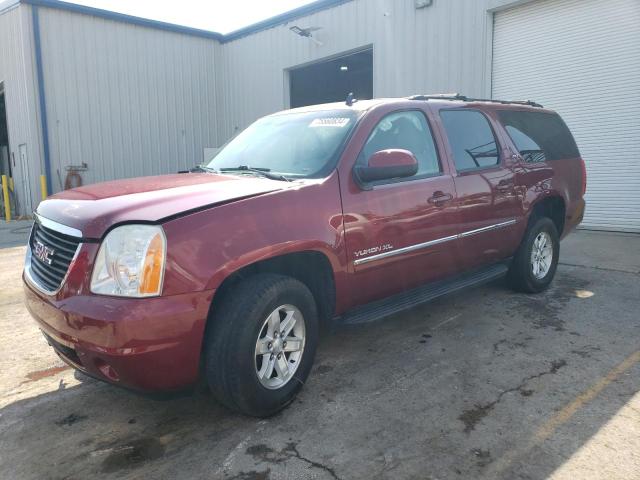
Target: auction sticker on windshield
x,y
329,122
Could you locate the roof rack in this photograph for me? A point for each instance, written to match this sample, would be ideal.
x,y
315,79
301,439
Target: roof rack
x,y
464,98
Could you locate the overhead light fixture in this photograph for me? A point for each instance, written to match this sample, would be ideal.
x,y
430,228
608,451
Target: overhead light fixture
x,y
307,33
344,68
423,3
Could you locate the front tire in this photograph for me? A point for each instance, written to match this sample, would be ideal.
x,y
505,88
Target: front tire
x,y
261,344
535,263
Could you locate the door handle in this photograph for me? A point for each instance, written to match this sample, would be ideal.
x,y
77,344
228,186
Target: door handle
x,y
504,185
439,198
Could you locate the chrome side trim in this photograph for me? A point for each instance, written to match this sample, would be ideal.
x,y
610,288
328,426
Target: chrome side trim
x,y
419,246
486,229
57,227
400,251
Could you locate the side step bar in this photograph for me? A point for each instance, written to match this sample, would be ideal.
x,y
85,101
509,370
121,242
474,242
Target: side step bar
x,y
402,301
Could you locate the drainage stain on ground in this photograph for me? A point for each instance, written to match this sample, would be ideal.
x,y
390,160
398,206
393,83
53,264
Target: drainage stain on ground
x,y
267,454
320,369
424,337
545,310
49,372
470,418
252,475
483,457
71,419
133,454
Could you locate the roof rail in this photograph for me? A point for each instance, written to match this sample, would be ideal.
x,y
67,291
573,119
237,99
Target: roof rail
x,y
464,98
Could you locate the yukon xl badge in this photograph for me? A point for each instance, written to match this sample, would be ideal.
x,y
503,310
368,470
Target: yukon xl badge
x,y
370,251
44,253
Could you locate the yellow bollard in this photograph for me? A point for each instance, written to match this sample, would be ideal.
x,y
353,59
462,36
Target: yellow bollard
x,y
43,187
5,196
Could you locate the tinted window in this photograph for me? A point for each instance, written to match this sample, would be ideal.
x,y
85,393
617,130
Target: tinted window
x,y
539,136
408,131
471,139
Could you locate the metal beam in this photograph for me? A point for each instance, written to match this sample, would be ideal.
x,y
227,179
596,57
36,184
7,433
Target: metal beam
x,y
44,124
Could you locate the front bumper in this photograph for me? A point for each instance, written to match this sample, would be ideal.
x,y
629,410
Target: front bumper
x,y
147,344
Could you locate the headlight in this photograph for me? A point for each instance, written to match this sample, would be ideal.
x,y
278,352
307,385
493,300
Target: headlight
x,y
130,262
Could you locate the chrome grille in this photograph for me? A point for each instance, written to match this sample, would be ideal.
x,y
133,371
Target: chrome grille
x,y
48,270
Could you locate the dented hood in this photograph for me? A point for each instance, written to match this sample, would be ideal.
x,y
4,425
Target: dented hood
x,y
95,208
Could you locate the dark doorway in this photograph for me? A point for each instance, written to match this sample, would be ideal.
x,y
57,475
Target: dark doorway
x,y
5,166
332,80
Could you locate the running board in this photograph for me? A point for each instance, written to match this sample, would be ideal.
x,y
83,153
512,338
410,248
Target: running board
x,y
402,301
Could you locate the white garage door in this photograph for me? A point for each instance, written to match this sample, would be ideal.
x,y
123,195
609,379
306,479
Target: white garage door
x,y
582,58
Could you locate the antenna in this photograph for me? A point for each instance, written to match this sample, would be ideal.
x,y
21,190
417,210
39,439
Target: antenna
x,y
350,100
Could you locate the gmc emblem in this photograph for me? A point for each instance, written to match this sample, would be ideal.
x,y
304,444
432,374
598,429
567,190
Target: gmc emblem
x,y
43,252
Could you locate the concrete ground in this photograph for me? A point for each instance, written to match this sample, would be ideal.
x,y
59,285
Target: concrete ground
x,y
14,233
487,384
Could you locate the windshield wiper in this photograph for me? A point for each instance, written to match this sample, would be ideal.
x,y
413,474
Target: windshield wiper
x,y
265,172
202,168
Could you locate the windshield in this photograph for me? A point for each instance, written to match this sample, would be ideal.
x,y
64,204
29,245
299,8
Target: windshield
x,y
303,145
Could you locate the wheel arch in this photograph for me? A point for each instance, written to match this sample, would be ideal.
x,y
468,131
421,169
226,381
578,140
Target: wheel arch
x,y
552,206
311,267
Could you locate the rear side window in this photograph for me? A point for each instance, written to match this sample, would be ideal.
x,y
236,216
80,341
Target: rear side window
x,y
539,136
407,130
471,139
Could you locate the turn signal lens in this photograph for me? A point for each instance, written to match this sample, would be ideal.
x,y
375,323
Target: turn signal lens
x,y
153,267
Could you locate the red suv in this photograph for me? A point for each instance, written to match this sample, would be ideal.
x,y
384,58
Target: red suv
x,y
338,212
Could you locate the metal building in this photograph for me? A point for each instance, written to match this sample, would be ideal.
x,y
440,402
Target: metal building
x,y
128,96
107,95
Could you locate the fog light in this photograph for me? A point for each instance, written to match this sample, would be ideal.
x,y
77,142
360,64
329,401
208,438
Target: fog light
x,y
107,370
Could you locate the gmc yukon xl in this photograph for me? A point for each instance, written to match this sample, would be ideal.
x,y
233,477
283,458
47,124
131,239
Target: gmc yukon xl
x,y
344,212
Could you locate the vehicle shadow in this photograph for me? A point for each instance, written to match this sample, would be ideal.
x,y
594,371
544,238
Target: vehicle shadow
x,y
459,388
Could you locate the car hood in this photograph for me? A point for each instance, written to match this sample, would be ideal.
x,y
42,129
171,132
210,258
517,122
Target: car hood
x,y
95,208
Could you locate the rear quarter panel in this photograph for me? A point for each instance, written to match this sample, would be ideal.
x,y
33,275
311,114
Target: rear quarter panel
x,y
559,178
540,180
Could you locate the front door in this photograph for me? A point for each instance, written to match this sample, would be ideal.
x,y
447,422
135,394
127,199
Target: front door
x,y
400,233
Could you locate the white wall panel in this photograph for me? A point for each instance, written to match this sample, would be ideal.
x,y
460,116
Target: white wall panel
x,y
582,58
126,100
17,73
132,100
441,48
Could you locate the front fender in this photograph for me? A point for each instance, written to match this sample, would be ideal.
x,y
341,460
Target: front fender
x,y
206,247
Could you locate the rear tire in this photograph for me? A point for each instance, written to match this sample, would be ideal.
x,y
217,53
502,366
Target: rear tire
x,y
534,264
249,366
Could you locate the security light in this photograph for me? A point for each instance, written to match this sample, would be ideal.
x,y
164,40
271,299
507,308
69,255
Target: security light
x,y
423,3
307,33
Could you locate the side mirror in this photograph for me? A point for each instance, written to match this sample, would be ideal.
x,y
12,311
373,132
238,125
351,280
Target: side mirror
x,y
385,165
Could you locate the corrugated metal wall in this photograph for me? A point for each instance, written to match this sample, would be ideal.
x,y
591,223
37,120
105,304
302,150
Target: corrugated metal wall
x,y
582,58
17,73
130,100
441,48
126,100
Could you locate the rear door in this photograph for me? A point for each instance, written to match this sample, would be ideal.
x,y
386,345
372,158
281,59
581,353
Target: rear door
x,y
488,201
399,233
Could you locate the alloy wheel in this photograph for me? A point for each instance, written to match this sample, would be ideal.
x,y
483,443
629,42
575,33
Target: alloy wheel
x,y
280,346
541,255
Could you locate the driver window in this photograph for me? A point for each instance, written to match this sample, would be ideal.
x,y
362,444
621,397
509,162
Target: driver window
x,y
407,131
